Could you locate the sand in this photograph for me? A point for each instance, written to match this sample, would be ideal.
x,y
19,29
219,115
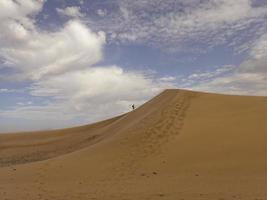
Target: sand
x,y
180,145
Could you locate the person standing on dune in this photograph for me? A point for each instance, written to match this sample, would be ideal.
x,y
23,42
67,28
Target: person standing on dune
x,y
133,107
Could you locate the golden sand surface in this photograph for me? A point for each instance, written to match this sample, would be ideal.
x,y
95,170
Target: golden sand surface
x,y
181,145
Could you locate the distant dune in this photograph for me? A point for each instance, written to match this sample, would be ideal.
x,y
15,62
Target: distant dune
x,y
180,145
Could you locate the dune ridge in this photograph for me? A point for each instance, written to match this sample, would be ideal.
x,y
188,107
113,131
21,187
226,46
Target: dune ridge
x,y
179,145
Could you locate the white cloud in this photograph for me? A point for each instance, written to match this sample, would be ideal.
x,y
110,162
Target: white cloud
x,y
33,53
4,90
101,12
99,91
257,62
73,47
177,24
249,78
168,78
72,11
97,81
259,49
211,74
236,83
24,103
87,95
15,20
19,9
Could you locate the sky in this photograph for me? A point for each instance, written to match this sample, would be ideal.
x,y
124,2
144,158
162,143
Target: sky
x,y
65,63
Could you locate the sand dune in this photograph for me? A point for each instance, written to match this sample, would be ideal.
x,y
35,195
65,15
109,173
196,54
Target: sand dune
x,y
180,145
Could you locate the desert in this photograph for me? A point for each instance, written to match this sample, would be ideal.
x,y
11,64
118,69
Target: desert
x,y
179,145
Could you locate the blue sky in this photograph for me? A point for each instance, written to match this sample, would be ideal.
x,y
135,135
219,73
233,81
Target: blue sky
x,y
66,63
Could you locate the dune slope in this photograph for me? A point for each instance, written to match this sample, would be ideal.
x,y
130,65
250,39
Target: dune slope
x,y
179,145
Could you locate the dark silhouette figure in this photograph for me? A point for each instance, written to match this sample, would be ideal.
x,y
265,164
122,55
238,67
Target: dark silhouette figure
x,y
133,107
